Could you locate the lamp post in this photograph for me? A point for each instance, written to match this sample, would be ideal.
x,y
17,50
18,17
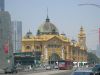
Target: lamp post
x,y
10,48
41,59
35,58
62,51
74,41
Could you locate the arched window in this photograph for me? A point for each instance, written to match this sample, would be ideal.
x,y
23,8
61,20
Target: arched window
x,y
53,31
28,47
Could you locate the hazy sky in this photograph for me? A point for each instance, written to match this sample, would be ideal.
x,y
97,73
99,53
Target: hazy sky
x,y
67,15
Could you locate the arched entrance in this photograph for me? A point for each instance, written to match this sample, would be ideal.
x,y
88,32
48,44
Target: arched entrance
x,y
54,58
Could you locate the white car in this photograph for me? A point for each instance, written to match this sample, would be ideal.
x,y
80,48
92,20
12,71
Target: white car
x,y
27,68
56,67
48,67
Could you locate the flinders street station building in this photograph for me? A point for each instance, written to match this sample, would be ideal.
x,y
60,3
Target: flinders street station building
x,y
48,45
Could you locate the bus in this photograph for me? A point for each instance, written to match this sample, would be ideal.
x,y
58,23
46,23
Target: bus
x,y
65,65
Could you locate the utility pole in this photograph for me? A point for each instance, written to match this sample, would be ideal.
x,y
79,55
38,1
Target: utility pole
x,y
15,41
99,37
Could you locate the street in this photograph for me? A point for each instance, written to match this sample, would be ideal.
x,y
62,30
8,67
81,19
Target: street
x,y
43,72
63,73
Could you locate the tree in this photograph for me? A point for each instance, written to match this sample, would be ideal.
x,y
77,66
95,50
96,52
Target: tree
x,y
92,58
38,32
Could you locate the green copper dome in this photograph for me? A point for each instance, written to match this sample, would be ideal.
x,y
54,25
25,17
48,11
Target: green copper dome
x,y
47,28
28,34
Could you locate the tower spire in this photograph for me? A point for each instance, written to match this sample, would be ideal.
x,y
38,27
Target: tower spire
x,y
82,38
81,33
81,29
47,19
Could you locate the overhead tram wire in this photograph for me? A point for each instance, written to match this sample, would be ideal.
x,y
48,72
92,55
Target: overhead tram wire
x,y
96,5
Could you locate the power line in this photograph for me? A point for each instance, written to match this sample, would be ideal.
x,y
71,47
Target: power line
x,y
90,5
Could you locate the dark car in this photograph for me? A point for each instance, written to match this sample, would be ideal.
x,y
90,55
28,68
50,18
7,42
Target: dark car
x,y
83,72
96,69
10,70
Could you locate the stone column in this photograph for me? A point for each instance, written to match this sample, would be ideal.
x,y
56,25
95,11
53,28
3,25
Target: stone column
x,y
67,52
46,53
62,52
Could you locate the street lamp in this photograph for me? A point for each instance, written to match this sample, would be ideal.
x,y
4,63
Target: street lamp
x,y
62,51
74,41
41,59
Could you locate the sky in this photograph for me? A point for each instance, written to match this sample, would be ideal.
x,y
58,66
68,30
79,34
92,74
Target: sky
x,y
66,15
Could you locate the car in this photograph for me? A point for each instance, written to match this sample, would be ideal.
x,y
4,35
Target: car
x,y
96,68
27,68
19,69
82,72
10,70
48,67
56,67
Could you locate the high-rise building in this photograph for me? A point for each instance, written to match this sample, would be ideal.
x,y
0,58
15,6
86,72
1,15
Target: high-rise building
x,y
98,50
17,35
2,5
6,46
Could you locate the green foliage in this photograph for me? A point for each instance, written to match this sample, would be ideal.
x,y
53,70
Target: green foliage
x,y
38,32
92,58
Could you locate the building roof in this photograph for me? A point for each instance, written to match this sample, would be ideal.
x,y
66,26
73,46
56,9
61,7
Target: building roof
x,y
47,28
47,38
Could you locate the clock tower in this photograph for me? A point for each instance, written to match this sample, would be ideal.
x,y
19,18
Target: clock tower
x,y
82,39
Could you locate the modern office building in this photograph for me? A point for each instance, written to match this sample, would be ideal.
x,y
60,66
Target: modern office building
x,y
6,46
17,35
2,5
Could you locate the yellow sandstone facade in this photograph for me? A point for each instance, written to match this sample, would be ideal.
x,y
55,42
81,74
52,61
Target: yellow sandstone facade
x,y
48,41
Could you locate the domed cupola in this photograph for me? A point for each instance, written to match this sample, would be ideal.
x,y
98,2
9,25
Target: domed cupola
x,y
47,28
29,34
